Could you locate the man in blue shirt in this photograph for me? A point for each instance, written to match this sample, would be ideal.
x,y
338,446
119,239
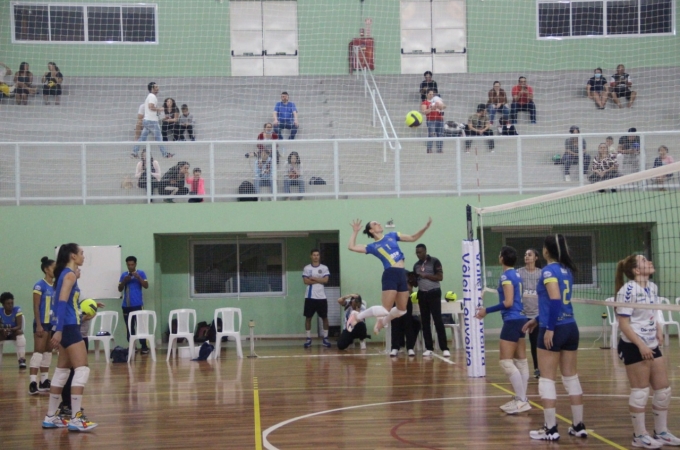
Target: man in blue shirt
x,y
285,117
131,284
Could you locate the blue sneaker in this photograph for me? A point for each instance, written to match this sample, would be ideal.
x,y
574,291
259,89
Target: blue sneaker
x,y
326,343
308,343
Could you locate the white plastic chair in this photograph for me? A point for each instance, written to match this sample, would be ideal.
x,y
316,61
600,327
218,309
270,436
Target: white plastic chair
x,y
667,321
108,322
613,324
142,331
2,343
184,330
456,309
229,329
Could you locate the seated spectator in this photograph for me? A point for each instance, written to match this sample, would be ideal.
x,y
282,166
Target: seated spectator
x,y
507,129
663,159
629,152
285,117
478,125
52,83
174,180
598,89
267,134
613,149
11,323
351,303
197,184
186,123
620,84
23,84
426,85
433,110
498,102
522,100
141,174
604,166
170,119
570,156
5,89
262,169
293,175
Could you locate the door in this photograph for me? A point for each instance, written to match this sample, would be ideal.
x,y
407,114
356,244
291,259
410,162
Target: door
x,y
330,257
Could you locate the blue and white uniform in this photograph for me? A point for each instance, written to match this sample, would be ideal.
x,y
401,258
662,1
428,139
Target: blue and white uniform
x,y
46,293
67,314
557,315
10,320
388,252
514,317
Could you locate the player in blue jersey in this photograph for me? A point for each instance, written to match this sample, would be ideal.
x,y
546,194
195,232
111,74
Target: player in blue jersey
x,y
558,338
67,336
11,326
394,285
513,352
43,293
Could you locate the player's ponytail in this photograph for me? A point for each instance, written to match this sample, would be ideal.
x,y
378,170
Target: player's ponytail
x,y
559,251
64,257
624,267
367,230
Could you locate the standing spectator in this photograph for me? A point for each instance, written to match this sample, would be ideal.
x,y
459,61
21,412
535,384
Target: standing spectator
x,y
52,83
186,123
285,117
23,82
426,85
352,302
315,276
430,273
197,186
141,174
604,166
498,102
629,152
294,174
11,322
522,100
139,125
663,159
530,274
150,122
598,89
170,119
478,125
435,119
621,83
174,180
570,156
131,284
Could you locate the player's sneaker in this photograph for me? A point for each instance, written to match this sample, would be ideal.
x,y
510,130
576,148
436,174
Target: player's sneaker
x,y
64,411
44,386
411,352
667,438
394,352
446,354
326,343
645,441
545,434
362,345
517,406
308,343
352,320
427,353
578,430
33,388
80,423
55,421
508,404
537,373
22,363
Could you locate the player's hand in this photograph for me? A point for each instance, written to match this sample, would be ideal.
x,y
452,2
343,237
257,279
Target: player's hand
x,y
100,305
39,330
56,339
529,326
481,313
429,222
548,339
356,225
646,352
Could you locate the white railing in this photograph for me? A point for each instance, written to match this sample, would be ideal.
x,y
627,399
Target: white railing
x,y
103,173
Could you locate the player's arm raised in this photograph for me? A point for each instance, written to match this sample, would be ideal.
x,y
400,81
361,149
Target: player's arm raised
x,y
418,235
356,226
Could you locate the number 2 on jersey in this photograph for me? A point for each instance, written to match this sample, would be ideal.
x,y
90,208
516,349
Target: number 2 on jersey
x,y
565,292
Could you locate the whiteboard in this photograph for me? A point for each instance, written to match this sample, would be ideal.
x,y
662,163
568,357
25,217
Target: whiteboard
x,y
100,272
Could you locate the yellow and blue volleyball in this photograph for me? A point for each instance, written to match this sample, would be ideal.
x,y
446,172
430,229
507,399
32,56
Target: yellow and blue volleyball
x,y
414,119
88,307
451,296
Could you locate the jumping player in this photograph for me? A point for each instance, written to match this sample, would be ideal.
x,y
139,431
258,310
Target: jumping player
x,y
43,293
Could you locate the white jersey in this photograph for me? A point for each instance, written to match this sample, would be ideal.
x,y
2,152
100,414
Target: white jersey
x,y
315,291
142,110
149,114
643,321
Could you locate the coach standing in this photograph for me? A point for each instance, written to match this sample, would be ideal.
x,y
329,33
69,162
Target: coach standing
x,y
430,273
131,284
315,276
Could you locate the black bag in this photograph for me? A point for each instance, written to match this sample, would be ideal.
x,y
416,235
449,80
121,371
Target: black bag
x,y
246,188
202,332
212,334
119,354
317,181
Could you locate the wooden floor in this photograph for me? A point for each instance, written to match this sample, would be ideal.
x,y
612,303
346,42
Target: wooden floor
x,y
291,398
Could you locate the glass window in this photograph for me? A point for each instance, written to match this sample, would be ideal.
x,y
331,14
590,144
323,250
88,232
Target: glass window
x,y
31,23
587,19
139,24
622,17
67,23
656,16
103,24
553,19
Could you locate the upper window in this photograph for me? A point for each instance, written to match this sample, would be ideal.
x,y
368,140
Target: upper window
x,y
64,22
588,18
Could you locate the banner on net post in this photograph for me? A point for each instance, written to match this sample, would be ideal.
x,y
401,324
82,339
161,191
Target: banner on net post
x,y
472,299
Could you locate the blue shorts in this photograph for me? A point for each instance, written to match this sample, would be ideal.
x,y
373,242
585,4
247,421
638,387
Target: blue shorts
x,y
565,338
45,326
394,279
70,335
512,330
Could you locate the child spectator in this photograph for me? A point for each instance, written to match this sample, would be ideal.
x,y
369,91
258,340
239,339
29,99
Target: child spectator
x,y
197,186
294,174
186,123
663,159
507,129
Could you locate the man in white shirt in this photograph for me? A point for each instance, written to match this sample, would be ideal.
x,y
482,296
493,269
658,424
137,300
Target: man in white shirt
x,y
315,276
150,121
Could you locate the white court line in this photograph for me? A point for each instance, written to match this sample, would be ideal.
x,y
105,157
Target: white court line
x,y
330,355
446,360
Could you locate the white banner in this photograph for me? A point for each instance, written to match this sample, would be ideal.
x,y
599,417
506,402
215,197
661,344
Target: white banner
x,y
472,299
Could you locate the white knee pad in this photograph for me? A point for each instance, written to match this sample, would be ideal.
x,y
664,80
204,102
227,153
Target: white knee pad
x,y
661,398
36,359
522,365
572,385
60,377
46,359
81,376
21,341
638,397
508,367
546,389
396,313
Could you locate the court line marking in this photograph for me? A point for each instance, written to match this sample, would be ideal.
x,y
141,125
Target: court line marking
x,y
564,419
330,355
256,408
446,360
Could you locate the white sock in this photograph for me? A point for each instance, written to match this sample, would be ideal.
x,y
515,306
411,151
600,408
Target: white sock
x,y
43,376
76,401
549,415
638,419
34,378
325,334
518,385
660,420
373,311
577,414
309,334
55,399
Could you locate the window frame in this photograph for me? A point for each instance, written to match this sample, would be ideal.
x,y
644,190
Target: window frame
x,y
84,7
238,242
605,34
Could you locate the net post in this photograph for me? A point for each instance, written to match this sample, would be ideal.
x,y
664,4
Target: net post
x,y
605,344
251,326
468,213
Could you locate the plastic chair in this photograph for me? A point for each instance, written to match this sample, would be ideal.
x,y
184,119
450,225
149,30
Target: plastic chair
x,y
142,331
455,308
184,330
667,321
613,323
108,322
2,343
228,317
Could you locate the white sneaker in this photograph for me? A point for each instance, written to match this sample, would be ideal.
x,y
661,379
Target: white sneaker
x,y
645,441
666,438
517,406
508,404
362,345
54,421
567,178
80,423
411,353
446,354
545,434
427,353
394,352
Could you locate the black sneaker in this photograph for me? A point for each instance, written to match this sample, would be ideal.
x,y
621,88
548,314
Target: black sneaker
x,y
537,373
22,363
33,388
545,434
45,386
578,430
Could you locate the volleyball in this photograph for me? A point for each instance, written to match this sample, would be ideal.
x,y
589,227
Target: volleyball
x,y
51,84
414,297
88,307
414,119
451,296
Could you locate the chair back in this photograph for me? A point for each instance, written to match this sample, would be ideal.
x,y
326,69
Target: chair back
x,y
144,324
184,324
611,314
108,321
661,318
228,316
